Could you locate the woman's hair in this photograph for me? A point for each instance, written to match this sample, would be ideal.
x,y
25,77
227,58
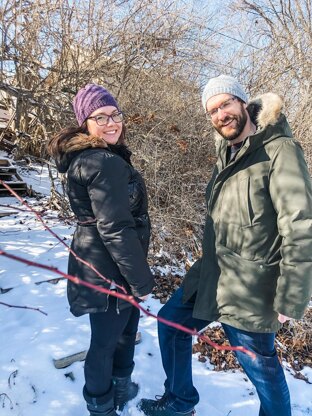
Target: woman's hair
x,y
58,142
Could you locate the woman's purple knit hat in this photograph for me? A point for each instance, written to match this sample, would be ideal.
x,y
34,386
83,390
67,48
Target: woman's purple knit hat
x,y
90,98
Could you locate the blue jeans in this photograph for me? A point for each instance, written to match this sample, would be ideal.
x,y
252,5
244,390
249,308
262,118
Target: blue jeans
x,y
265,372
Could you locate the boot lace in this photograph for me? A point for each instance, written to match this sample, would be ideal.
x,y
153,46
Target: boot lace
x,y
162,402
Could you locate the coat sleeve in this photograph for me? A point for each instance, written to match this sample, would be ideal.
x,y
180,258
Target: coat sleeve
x,y
191,279
106,177
291,193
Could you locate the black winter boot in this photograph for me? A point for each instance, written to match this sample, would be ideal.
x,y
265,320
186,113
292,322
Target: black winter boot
x,y
100,406
161,407
125,390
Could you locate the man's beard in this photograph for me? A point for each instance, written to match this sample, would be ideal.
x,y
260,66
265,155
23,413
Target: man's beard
x,y
241,121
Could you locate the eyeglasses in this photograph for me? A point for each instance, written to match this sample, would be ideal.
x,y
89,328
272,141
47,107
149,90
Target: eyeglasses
x,y
103,119
226,105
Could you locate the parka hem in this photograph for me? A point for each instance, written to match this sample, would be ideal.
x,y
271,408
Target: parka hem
x,y
239,324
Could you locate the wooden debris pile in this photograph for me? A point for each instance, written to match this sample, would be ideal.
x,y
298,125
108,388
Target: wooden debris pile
x,y
10,176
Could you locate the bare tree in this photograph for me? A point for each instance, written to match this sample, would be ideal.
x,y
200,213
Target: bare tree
x,y
282,30
152,55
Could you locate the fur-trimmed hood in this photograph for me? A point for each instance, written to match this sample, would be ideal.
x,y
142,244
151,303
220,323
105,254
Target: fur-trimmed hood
x,y
265,109
74,144
81,141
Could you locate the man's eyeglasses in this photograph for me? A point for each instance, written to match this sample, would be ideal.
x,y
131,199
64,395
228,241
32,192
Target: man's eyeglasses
x,y
103,119
226,105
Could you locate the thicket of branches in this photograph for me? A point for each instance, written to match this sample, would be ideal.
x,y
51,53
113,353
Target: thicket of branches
x,y
282,61
155,57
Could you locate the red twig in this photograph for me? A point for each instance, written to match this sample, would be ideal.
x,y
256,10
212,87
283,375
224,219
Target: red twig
x,y
23,202
124,295
129,299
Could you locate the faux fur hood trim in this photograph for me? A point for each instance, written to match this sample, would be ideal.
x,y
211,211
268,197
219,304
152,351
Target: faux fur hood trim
x,y
265,109
81,141
77,142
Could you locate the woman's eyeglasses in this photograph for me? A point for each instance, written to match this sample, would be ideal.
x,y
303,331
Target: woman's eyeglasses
x,y
103,119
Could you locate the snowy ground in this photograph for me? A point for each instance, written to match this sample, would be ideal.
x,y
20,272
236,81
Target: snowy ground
x,y
29,383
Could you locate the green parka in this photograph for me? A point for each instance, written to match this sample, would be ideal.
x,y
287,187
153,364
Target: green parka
x,y
257,245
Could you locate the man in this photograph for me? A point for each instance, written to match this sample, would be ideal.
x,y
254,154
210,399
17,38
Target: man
x,y
255,271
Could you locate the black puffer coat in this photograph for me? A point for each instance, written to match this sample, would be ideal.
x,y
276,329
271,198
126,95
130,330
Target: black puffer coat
x,y
108,197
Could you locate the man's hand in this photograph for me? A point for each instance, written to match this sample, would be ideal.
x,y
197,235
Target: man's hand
x,y
283,318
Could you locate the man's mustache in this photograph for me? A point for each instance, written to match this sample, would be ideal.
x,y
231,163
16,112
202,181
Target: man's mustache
x,y
226,121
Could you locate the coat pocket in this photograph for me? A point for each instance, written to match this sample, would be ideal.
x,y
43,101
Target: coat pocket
x,y
245,207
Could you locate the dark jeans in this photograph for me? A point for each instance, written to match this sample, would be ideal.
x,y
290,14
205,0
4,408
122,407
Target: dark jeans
x,y
112,347
265,372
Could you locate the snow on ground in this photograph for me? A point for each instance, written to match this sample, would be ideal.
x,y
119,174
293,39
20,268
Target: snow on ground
x,y
30,385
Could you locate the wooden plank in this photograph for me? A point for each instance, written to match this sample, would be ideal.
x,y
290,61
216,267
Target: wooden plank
x,y
7,169
81,356
5,213
70,359
15,188
10,176
4,162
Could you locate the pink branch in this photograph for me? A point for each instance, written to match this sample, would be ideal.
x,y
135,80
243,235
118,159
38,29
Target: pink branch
x,y
23,202
130,299
124,295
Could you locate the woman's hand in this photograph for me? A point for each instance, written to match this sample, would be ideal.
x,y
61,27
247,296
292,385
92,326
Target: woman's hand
x,y
143,298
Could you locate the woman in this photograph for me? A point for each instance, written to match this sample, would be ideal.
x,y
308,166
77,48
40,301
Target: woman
x,y
108,198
